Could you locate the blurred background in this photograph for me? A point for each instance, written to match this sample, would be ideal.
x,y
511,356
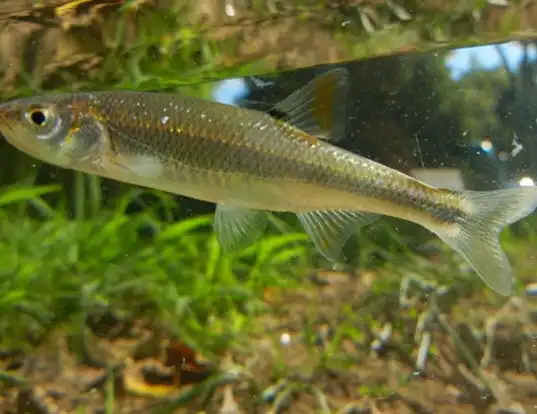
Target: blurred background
x,y
118,299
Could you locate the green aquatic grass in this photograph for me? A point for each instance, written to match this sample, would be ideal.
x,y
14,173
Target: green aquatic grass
x,y
165,52
58,264
54,269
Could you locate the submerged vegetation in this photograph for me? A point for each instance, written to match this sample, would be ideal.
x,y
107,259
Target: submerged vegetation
x,y
118,299
148,315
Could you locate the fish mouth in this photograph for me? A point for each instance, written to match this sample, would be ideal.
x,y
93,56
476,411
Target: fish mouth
x,y
11,134
3,116
4,123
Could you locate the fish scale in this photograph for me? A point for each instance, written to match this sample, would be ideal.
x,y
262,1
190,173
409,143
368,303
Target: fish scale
x,y
236,152
249,162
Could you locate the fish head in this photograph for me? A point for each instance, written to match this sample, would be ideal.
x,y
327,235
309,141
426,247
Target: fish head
x,y
58,129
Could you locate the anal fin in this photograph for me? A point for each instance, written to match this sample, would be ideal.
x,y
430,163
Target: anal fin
x,y
330,230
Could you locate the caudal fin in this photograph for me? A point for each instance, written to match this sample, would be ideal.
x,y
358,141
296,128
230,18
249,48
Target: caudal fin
x,y
478,238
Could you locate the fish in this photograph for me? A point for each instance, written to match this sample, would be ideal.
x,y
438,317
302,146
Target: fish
x,y
252,162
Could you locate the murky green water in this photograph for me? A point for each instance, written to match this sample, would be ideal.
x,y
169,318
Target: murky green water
x,y
118,299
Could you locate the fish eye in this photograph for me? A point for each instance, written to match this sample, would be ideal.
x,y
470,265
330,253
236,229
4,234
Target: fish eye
x,y
38,117
43,121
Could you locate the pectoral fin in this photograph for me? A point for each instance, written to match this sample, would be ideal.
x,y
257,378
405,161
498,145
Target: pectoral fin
x,y
238,227
143,166
319,107
330,230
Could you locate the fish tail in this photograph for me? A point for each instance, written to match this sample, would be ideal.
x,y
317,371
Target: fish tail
x,y
477,236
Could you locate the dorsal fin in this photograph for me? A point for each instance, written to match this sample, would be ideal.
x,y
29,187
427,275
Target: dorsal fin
x,y
318,108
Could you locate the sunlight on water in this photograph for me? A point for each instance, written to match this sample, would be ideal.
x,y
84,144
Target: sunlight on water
x,y
230,91
526,182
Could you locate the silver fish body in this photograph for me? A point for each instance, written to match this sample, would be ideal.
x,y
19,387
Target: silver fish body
x,y
249,162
